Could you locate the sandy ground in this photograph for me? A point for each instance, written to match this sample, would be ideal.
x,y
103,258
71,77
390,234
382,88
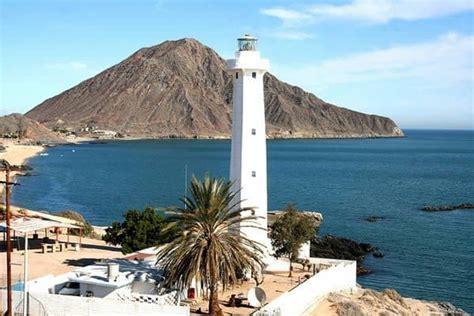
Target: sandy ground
x,y
273,285
56,263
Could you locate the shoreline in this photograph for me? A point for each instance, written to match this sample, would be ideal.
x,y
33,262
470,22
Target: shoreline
x,y
81,139
17,154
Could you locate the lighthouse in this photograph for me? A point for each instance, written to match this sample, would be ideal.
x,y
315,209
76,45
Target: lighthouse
x,y
248,165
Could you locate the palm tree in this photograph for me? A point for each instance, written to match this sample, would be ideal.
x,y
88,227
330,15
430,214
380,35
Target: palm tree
x,y
207,248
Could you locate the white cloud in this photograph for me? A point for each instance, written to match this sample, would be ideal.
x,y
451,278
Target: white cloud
x,y
285,14
289,17
372,11
445,60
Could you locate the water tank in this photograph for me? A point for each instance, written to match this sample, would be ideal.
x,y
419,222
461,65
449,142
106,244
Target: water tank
x,y
112,271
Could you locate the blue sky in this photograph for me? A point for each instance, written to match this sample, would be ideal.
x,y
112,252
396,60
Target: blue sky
x,y
411,60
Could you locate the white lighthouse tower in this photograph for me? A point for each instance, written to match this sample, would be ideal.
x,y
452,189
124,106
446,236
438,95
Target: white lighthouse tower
x,y
248,165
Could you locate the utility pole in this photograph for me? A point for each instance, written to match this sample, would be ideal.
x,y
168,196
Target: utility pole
x,y
185,184
6,167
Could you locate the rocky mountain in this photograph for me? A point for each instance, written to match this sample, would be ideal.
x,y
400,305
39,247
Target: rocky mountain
x,y
17,126
181,88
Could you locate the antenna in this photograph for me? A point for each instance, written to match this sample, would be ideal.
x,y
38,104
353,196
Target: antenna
x,y
185,183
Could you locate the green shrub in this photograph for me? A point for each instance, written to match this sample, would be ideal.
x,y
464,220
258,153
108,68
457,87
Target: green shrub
x,y
141,229
75,216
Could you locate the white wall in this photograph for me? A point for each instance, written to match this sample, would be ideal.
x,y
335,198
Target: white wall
x,y
305,250
341,276
60,305
48,284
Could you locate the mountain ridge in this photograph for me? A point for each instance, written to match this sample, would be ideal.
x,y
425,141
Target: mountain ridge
x,y
181,89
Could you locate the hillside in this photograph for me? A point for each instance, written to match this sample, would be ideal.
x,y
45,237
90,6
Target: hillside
x,y
17,126
180,88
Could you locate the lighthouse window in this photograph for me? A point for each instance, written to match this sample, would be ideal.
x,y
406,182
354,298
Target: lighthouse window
x,y
254,174
236,75
254,75
254,131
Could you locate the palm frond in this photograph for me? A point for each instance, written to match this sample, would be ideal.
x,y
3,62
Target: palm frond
x,y
207,249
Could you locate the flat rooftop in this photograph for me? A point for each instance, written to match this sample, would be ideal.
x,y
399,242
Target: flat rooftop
x,y
129,271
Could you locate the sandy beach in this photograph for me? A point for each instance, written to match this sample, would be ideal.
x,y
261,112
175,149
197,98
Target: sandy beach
x,y
17,154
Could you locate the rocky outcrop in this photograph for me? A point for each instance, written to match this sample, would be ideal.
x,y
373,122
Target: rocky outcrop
x,y
16,126
374,218
333,247
181,89
387,302
445,208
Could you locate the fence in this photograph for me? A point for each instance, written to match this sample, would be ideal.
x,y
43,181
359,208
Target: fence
x,y
17,284
34,307
341,275
40,304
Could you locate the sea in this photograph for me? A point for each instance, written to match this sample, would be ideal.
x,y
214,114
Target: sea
x,y
427,255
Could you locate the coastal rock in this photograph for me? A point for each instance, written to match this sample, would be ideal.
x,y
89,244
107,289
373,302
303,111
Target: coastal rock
x,y
181,89
378,254
374,219
24,168
387,302
25,174
341,248
444,208
449,309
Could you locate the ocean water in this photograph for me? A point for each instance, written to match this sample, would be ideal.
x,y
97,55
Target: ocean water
x,y
427,255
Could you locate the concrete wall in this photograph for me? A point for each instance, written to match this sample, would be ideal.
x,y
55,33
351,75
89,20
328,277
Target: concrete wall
x,y
340,276
59,305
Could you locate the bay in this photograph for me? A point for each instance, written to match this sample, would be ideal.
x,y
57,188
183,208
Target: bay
x,y
427,255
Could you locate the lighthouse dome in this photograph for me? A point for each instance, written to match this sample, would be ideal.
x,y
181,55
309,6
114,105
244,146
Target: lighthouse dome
x,y
247,42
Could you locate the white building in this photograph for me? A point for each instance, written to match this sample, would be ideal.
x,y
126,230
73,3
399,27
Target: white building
x,y
115,287
116,278
248,167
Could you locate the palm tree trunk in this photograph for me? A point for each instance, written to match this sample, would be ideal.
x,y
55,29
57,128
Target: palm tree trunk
x,y
291,269
214,307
